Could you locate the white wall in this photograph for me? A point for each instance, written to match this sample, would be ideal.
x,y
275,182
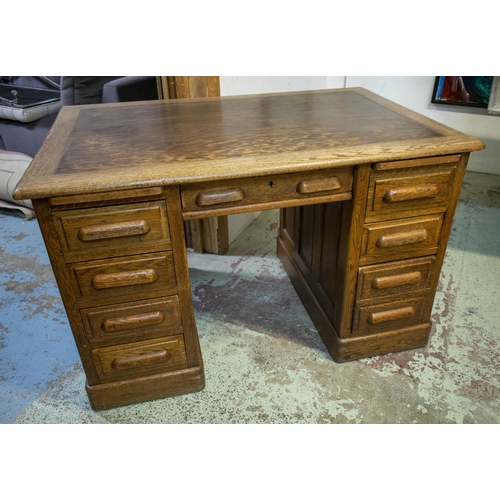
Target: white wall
x,y
240,85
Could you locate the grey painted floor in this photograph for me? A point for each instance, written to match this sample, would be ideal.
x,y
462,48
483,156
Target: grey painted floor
x,y
264,360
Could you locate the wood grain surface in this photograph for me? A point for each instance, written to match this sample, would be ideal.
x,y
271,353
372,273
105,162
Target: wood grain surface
x,y
97,148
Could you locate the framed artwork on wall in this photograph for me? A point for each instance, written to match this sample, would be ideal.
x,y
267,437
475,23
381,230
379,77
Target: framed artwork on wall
x,y
494,104
462,90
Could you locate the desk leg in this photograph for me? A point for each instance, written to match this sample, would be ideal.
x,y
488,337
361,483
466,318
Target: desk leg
x,y
325,247
326,290
135,382
166,384
319,247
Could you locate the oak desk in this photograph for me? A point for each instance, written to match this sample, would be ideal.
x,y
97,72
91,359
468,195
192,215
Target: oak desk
x,y
367,189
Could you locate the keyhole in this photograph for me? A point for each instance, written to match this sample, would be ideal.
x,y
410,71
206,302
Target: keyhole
x,y
271,184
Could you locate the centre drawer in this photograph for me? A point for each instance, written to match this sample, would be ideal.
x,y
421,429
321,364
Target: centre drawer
x,y
112,280
260,193
128,361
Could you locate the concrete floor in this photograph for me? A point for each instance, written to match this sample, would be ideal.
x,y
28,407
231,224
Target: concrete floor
x,y
264,360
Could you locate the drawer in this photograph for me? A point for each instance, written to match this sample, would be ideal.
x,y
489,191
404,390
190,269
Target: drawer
x,y
111,231
260,193
422,190
399,277
401,238
111,280
387,316
132,321
139,359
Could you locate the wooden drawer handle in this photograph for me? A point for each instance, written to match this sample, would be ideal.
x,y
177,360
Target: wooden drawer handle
x,y
208,198
399,239
396,280
130,322
126,278
318,186
113,230
411,193
391,315
150,358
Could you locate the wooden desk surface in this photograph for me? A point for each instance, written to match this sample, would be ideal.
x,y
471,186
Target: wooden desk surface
x,y
104,147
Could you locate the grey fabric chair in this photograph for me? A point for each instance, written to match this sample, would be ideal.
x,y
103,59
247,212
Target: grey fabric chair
x,y
97,89
27,138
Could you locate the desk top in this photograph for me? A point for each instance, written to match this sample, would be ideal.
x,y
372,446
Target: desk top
x,y
103,147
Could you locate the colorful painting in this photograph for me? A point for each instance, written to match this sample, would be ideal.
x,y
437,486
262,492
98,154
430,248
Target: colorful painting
x,y
462,90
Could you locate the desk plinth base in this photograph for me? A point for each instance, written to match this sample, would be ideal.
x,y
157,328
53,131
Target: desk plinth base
x,y
377,344
114,394
352,348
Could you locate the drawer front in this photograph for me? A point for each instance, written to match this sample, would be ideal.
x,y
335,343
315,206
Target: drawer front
x,y
266,192
132,321
107,231
401,238
387,316
399,277
397,192
139,359
111,280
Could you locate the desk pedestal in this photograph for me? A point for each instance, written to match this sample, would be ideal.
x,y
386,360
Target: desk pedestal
x,y
121,266
367,269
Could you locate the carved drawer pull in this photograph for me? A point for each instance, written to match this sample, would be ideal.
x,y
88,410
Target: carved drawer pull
x,y
113,230
131,322
399,239
150,358
318,186
411,193
384,282
126,278
207,198
392,315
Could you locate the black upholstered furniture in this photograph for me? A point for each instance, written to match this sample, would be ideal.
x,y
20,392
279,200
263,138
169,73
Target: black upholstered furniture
x,y
27,138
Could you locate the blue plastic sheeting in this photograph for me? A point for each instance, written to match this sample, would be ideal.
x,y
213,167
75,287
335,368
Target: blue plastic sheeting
x,y
36,344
